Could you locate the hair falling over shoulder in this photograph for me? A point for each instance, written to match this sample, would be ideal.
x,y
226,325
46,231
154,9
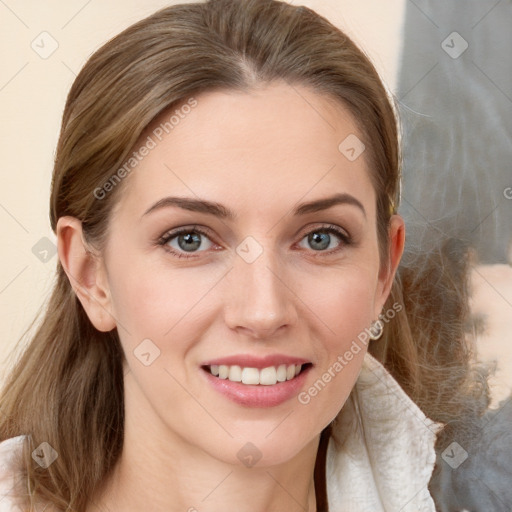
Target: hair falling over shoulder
x,y
66,387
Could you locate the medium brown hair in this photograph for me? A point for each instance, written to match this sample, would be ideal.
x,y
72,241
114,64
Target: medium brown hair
x,y
67,386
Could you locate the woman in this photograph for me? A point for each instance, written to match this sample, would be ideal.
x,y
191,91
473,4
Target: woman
x,y
228,325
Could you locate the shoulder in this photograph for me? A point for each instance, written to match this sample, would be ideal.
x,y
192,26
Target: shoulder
x,y
9,448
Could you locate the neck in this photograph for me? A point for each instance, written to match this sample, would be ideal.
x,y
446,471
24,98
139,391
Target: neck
x,y
177,485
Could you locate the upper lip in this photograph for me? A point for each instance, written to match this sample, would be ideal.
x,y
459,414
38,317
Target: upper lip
x,y
249,361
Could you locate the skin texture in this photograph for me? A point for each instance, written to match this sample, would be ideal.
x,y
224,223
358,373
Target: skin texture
x,y
259,154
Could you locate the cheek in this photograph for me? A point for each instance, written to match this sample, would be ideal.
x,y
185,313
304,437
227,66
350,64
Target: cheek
x,y
342,299
141,304
343,303
152,302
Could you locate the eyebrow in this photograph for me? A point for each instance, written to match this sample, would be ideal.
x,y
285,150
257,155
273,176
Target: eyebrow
x,y
219,210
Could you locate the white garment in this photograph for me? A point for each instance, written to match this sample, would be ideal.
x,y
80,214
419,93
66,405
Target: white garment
x,y
387,473
388,456
8,448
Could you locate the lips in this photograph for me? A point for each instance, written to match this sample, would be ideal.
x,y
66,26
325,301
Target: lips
x,y
257,381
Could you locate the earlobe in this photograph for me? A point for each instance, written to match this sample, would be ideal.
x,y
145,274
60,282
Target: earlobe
x,y
85,272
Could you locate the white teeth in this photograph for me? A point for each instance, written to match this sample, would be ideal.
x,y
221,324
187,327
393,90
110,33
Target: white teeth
x,y
281,372
235,373
266,376
250,376
223,371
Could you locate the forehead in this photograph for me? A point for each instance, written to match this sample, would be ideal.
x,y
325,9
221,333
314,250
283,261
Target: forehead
x,y
272,142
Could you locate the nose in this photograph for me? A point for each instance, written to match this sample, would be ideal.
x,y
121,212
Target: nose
x,y
260,295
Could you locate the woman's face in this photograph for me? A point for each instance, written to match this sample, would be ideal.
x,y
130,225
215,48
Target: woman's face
x,y
257,269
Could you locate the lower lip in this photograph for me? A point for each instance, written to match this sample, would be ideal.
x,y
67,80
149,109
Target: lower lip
x,y
258,395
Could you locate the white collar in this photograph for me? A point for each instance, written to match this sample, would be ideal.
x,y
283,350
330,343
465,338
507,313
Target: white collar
x,y
390,471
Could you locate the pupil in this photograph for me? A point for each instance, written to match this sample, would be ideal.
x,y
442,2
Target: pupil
x,y
317,238
190,239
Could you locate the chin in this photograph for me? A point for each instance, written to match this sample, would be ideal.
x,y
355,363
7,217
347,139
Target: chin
x,y
264,450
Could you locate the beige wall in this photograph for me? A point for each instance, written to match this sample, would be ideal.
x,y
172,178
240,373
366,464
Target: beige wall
x,y
32,94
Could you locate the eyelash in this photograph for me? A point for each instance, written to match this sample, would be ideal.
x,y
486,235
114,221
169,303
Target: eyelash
x,y
167,237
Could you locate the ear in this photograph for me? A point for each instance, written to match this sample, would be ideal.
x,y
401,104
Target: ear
x,y
86,273
387,272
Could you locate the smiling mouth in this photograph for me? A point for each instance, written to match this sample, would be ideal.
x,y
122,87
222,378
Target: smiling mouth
x,y
253,376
